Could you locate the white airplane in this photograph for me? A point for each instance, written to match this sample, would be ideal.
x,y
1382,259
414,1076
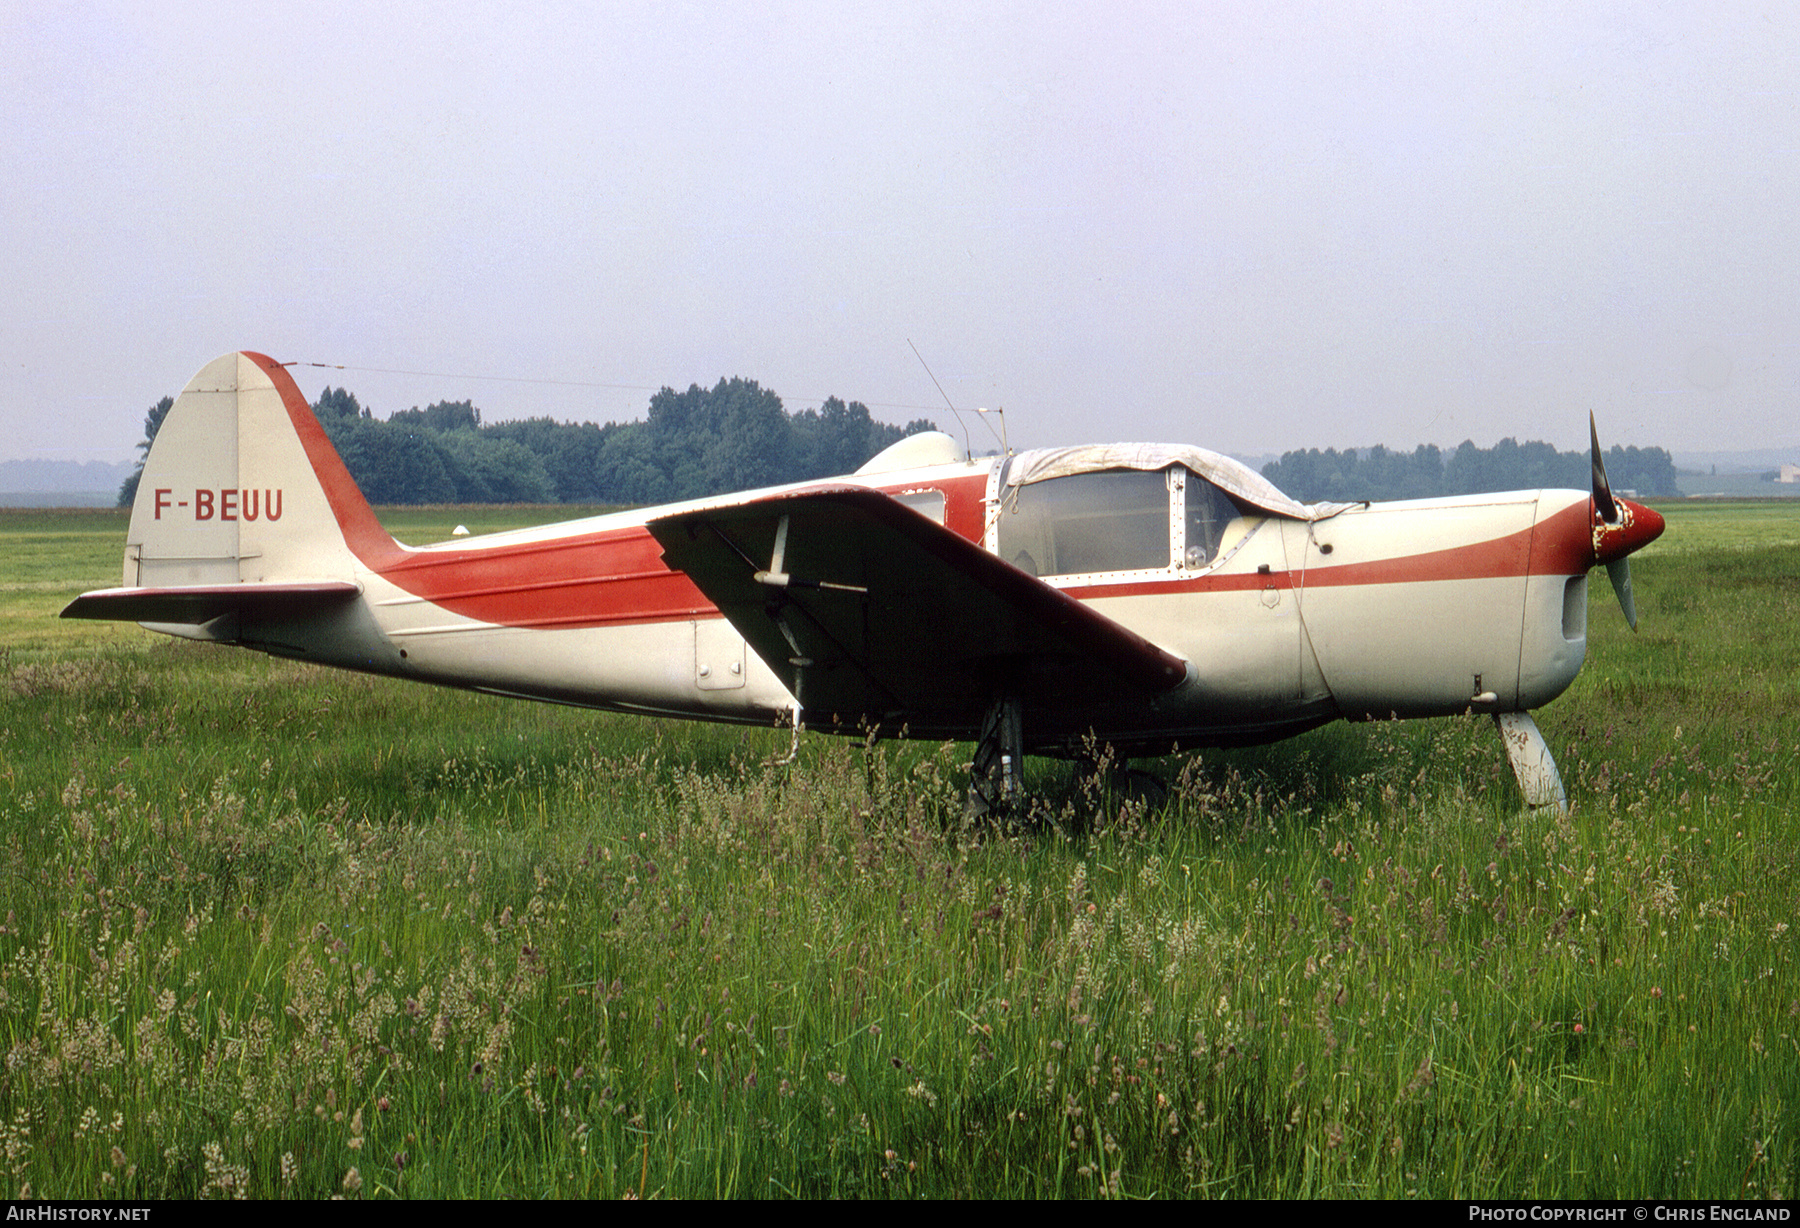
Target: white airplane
x,y
1139,596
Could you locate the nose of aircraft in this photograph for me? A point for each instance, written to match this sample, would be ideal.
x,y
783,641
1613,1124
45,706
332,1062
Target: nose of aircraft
x,y
1636,527
1619,527
1631,527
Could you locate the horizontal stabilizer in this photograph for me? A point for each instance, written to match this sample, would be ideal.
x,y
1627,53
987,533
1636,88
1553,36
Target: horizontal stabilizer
x,y
192,605
869,610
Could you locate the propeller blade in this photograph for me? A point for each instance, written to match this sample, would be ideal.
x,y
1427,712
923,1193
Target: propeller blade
x,y
1603,496
1617,534
1619,572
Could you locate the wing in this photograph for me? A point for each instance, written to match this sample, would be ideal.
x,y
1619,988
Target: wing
x,y
871,611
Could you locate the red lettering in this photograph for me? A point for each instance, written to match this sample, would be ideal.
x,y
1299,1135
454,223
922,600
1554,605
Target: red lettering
x,y
162,501
228,504
272,503
203,504
251,498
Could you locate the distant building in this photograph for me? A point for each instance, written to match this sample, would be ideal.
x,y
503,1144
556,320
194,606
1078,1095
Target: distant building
x,y
1789,473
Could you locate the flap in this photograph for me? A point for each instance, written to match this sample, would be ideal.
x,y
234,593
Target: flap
x,y
872,611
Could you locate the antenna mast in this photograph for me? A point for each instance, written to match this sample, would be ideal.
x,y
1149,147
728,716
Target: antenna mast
x,y
968,451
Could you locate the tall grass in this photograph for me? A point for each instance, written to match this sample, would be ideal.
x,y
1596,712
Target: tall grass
x,y
274,932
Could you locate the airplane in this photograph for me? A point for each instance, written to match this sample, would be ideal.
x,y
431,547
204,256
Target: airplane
x,y
1144,597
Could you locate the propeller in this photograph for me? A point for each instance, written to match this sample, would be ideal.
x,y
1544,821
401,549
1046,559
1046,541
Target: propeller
x,y
1603,497
1612,517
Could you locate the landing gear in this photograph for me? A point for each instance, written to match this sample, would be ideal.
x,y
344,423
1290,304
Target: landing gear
x,y
996,776
1140,786
1100,775
1532,762
999,757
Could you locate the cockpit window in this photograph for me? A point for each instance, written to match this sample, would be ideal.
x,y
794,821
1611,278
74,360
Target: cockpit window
x,y
1208,513
1087,522
929,503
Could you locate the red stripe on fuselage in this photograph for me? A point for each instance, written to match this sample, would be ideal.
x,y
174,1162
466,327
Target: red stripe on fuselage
x,y
612,576
1556,546
594,579
605,578
1563,544
1498,556
965,505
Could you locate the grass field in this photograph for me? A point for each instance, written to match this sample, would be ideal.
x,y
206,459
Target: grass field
x,y
274,932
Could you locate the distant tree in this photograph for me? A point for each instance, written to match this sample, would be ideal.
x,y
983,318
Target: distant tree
x,y
570,452
628,467
441,416
1315,475
336,404
732,436
837,438
1649,471
152,423
486,470
390,463
1402,475
1377,474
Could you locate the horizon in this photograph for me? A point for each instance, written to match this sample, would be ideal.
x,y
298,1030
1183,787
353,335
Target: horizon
x,y
1748,460
885,412
1252,230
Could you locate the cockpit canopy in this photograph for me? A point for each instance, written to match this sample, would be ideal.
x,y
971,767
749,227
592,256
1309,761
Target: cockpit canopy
x,y
1129,507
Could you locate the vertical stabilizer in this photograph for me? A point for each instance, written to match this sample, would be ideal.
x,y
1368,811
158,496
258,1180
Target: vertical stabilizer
x,y
242,486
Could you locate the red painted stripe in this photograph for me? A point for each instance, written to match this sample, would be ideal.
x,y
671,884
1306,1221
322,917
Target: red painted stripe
x,y
965,506
371,543
593,579
1497,557
596,579
617,576
1560,545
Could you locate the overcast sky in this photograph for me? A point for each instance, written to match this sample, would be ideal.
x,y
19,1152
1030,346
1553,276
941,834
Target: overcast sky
x,y
1250,227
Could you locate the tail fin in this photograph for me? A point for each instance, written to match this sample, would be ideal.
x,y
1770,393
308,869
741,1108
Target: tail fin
x,y
243,487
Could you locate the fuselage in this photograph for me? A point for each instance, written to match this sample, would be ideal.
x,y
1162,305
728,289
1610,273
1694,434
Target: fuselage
x,y
1414,609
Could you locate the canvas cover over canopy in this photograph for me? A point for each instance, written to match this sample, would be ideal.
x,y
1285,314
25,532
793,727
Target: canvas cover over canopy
x,y
1233,477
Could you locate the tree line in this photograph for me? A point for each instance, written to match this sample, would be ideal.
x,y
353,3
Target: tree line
x,y
733,436
1428,472
737,435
